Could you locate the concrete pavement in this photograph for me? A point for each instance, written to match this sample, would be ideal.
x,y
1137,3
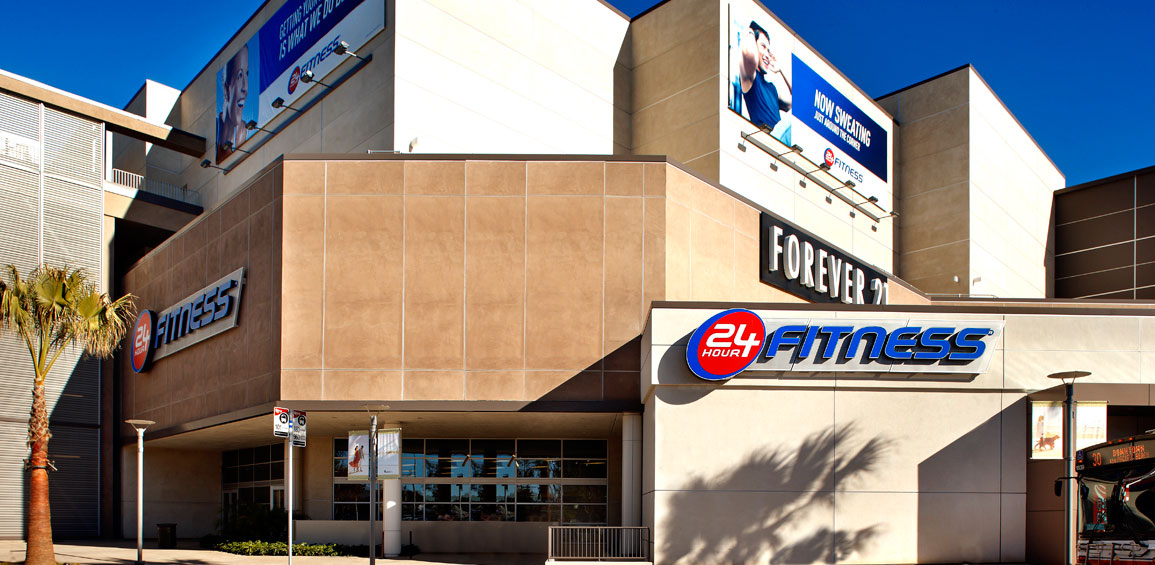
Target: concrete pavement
x,y
187,551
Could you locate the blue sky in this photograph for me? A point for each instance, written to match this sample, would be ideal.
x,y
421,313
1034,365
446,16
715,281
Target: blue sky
x,y
1081,79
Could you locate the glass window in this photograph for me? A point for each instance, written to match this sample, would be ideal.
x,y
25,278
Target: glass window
x,y
502,468
584,469
451,448
585,449
584,494
449,466
538,513
413,512
492,448
351,492
494,493
412,467
447,512
412,493
531,480
539,468
584,514
538,493
491,512
412,447
538,448
448,493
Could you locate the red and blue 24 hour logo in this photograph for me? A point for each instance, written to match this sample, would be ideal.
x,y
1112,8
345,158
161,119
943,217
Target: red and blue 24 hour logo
x,y
726,344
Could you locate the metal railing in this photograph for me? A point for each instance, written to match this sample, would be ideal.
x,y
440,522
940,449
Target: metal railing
x,y
138,182
599,543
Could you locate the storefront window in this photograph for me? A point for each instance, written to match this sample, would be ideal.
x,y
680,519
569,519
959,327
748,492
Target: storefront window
x,y
350,498
482,480
252,471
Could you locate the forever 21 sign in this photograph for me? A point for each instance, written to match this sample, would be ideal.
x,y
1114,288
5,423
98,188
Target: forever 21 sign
x,y
805,266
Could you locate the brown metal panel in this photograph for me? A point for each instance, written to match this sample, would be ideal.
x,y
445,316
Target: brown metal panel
x,y
1094,201
1104,230
1145,221
1096,283
1094,260
1145,189
1145,250
1145,274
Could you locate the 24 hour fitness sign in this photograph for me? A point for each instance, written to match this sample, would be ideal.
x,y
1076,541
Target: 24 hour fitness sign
x,y
737,340
198,317
808,267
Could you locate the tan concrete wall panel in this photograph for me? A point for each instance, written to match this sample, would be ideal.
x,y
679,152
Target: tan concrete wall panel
x,y
363,282
434,281
495,283
564,282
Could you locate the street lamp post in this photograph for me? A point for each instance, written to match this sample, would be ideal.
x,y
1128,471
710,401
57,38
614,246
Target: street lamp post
x,y
140,426
1068,379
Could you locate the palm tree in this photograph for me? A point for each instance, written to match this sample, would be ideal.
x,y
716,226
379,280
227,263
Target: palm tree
x,y
51,309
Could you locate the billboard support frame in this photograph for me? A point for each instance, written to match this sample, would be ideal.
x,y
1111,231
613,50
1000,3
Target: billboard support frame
x,y
810,175
292,116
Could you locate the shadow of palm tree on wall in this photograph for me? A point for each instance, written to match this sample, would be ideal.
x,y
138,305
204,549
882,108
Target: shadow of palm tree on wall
x,y
782,492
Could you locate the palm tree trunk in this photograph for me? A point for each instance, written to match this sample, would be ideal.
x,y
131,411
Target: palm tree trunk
x,y
40,550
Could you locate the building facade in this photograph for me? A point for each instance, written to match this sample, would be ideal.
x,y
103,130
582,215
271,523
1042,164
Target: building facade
x,y
499,228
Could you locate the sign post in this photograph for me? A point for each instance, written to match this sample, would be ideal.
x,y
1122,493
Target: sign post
x,y
372,489
289,424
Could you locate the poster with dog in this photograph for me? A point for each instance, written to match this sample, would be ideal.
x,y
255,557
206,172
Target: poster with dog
x,y
1047,427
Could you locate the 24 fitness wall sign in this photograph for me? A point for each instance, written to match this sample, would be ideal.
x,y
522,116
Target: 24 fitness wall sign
x,y
199,316
737,340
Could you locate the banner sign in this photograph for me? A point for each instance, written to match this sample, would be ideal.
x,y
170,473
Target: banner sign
x,y
281,421
738,340
201,315
826,111
806,266
388,454
1047,427
299,37
297,428
778,85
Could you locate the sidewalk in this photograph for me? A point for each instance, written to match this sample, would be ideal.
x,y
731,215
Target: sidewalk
x,y
187,551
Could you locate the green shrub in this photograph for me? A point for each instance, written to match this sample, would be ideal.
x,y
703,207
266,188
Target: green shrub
x,y
259,547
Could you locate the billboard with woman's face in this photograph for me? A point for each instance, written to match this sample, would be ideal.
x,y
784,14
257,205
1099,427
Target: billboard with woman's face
x,y
781,87
234,83
302,36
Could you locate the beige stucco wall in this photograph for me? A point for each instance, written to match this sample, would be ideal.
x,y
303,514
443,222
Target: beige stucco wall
x,y
409,279
885,470
238,368
974,191
506,76
463,280
496,280
674,62
180,487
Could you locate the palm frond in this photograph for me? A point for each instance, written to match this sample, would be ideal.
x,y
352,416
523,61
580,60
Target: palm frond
x,y
62,307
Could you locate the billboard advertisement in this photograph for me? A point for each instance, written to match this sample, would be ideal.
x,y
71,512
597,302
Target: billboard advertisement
x,y
780,86
388,454
1047,434
300,37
